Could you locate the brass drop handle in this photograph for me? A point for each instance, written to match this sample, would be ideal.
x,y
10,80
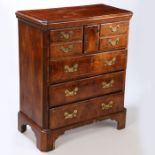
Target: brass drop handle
x,y
71,93
110,62
106,106
67,49
72,69
114,28
113,42
68,115
66,35
106,84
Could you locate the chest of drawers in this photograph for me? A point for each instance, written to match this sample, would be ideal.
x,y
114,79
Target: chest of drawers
x,y
72,68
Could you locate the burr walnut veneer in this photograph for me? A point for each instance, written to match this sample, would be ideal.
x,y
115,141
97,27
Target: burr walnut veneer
x,y
72,68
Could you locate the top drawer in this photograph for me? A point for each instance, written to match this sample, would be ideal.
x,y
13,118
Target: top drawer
x,y
114,28
68,34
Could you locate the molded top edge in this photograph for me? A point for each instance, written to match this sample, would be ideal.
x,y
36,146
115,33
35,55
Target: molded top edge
x,y
67,14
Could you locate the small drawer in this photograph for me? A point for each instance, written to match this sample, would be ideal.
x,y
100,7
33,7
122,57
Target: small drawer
x,y
114,28
112,43
66,49
85,66
86,110
68,34
68,92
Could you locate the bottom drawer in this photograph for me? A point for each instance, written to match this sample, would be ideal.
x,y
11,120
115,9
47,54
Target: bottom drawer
x,y
85,110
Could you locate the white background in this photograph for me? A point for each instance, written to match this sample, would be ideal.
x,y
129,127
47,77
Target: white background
x,y
100,138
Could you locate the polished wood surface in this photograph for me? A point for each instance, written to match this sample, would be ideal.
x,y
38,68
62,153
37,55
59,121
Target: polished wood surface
x,y
94,86
67,49
72,68
113,42
31,78
116,28
91,38
87,66
71,13
85,110
69,34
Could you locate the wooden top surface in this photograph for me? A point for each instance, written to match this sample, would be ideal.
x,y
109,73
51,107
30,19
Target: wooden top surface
x,y
65,14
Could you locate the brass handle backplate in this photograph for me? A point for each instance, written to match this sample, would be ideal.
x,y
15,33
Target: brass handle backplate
x,y
113,42
114,28
68,115
71,93
106,106
107,84
67,49
68,69
66,35
110,62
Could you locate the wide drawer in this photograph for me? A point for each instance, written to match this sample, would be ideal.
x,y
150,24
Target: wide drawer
x,y
114,28
84,66
68,92
86,110
114,42
68,34
66,49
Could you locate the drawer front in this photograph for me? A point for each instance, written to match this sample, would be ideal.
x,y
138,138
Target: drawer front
x,y
66,49
69,34
112,43
67,69
86,110
91,38
114,28
75,91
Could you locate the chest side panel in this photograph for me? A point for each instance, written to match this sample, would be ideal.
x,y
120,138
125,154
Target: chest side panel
x,y
31,72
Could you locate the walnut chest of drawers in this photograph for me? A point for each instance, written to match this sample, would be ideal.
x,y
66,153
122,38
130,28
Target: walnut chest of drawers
x,y
72,68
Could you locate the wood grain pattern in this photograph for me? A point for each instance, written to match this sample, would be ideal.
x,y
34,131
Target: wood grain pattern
x,y
116,28
94,86
85,110
31,75
87,66
113,42
66,49
72,68
69,14
91,38
69,34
